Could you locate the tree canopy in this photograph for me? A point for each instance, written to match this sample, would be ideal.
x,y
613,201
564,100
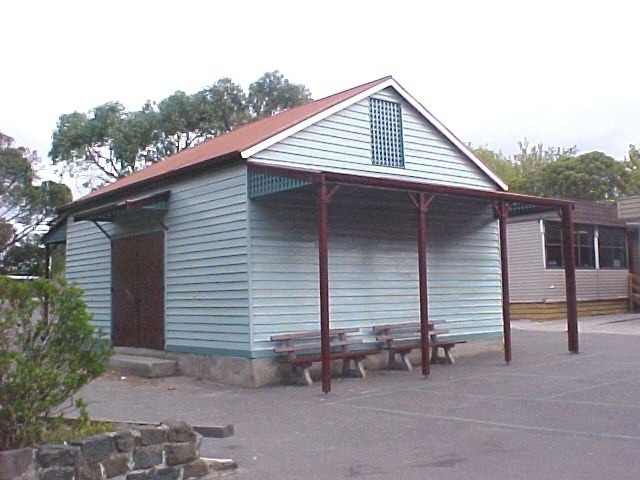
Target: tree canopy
x,y
560,172
25,205
109,142
590,176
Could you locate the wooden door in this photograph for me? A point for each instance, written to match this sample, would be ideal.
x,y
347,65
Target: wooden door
x,y
137,291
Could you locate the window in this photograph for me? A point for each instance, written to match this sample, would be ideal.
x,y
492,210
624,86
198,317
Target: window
x,y
611,242
583,245
553,244
387,147
612,247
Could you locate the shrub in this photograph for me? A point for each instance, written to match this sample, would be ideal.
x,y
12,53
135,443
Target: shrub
x,y
48,351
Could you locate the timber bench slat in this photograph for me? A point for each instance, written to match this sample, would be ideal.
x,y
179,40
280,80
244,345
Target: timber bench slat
x,y
338,346
312,334
401,338
336,356
408,335
406,325
315,346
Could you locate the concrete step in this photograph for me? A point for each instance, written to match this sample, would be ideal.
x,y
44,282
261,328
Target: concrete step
x,y
146,367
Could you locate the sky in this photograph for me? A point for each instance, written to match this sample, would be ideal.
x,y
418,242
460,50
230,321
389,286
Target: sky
x,y
559,72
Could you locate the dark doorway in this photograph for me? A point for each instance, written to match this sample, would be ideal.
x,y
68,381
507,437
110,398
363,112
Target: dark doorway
x,y
137,291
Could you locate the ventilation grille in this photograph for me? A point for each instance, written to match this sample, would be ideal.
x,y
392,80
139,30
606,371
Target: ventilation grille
x,y
259,184
387,148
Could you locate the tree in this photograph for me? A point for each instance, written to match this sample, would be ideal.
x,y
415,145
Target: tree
x,y
109,143
521,171
25,207
27,258
272,93
48,351
530,161
498,163
186,120
590,176
632,163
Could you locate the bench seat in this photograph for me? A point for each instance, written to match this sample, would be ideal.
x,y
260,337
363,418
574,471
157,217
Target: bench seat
x,y
302,354
402,338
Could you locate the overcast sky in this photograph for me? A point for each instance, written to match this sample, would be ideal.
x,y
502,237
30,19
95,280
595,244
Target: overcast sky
x,y
494,72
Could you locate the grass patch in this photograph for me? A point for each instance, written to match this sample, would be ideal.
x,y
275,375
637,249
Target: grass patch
x,y
63,430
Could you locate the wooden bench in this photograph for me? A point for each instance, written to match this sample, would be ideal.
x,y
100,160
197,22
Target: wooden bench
x,y
401,338
303,349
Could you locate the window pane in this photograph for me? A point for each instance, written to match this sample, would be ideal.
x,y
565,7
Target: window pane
x,y
584,251
553,244
612,247
585,257
553,233
554,256
583,244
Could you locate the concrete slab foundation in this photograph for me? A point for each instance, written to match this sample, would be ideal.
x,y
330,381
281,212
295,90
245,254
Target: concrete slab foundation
x,y
258,372
143,366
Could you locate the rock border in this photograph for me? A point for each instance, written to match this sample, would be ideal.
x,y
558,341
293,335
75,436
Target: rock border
x,y
167,451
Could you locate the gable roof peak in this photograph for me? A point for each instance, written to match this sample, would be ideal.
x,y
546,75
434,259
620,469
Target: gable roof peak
x,y
246,140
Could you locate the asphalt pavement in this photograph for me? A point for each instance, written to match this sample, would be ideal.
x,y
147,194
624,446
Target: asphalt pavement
x,y
549,414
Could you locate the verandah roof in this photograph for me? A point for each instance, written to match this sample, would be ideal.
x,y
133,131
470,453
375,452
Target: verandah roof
x,y
504,204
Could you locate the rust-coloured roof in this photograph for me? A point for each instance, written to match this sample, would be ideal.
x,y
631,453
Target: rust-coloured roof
x,y
227,144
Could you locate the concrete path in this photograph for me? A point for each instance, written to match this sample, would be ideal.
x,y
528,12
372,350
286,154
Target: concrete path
x,y
549,414
624,324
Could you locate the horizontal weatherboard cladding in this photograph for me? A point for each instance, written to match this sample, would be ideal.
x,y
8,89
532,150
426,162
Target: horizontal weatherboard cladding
x,y
531,282
88,265
206,278
629,208
206,295
373,273
88,259
342,143
464,268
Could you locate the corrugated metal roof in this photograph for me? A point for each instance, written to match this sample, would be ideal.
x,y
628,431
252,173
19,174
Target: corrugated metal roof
x,y
249,139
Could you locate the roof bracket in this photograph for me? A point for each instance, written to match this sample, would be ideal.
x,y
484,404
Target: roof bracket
x,y
160,222
95,222
500,209
420,203
331,192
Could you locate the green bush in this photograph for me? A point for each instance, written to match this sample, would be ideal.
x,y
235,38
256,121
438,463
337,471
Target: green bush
x,y
45,356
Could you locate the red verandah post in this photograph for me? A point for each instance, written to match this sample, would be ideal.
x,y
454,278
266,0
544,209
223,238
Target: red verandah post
x,y
502,209
422,204
323,263
570,278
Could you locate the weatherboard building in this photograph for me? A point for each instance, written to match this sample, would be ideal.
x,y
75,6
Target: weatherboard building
x,y
353,210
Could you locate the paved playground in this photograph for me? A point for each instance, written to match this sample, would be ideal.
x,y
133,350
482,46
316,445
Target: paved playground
x,y
550,414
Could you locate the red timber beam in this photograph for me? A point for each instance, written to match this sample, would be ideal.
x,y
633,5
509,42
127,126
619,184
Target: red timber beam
x,y
313,176
502,210
570,277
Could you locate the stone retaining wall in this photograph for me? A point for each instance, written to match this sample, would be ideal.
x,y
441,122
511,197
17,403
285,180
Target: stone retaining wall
x,y
169,451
